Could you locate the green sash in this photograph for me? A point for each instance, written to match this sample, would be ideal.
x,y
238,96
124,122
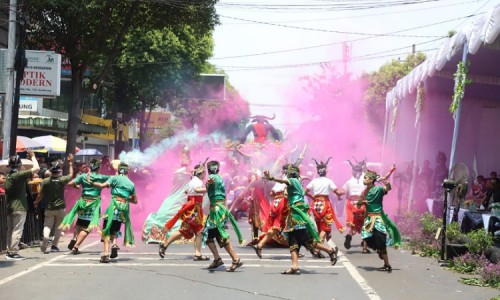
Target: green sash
x,y
123,209
82,206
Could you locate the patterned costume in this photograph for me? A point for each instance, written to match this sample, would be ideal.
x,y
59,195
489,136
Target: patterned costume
x,y
89,205
378,230
321,208
122,188
355,214
300,228
191,213
218,215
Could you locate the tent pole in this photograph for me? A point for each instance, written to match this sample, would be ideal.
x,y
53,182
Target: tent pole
x,y
457,119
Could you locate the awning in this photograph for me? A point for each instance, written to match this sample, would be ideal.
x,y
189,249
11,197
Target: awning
x,y
481,31
58,124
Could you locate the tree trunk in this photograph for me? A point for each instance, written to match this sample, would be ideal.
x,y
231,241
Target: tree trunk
x,y
74,118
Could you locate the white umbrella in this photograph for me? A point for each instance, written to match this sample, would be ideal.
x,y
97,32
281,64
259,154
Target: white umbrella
x,y
27,164
88,152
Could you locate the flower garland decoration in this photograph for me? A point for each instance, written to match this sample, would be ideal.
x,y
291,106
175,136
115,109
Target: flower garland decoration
x,y
419,104
460,82
395,114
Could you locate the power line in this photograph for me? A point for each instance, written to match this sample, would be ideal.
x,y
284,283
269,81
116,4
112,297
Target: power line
x,y
363,15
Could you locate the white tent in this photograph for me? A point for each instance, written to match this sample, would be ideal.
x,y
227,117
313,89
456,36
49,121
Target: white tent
x,y
417,131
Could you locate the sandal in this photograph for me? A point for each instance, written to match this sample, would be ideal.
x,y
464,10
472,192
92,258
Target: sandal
x,y
258,250
319,255
216,263
75,251
235,265
200,257
114,251
366,251
104,259
387,268
162,250
333,255
291,271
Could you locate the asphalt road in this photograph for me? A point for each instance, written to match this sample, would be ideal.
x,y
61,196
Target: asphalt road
x,y
139,273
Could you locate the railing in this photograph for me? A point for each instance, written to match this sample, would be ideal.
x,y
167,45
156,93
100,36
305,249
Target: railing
x,y
3,223
32,226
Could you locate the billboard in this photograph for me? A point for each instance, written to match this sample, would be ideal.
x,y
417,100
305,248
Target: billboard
x,y
42,75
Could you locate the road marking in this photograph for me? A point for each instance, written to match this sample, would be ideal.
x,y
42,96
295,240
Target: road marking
x,y
201,266
369,291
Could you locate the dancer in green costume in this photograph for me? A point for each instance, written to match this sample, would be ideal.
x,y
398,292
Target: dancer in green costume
x,y
217,218
118,212
378,230
300,228
88,207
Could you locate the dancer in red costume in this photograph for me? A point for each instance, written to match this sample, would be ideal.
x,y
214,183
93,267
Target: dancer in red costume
x,y
355,214
191,214
276,220
324,215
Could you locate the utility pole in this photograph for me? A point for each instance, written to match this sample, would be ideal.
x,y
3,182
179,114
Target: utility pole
x,y
346,55
9,84
20,65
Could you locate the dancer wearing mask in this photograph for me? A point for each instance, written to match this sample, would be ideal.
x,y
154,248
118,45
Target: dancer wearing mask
x,y
191,214
216,220
300,228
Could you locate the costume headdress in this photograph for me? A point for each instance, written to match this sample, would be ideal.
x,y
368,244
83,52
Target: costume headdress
x,y
95,164
372,175
123,168
292,171
321,167
200,168
359,167
261,118
213,167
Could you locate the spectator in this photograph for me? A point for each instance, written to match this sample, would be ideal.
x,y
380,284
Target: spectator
x,y
53,190
17,203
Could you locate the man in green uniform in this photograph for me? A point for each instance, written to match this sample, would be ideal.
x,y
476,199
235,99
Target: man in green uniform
x,y
17,203
55,206
118,212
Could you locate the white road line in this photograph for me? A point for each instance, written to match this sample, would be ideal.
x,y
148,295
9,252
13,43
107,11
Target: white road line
x,y
40,265
85,257
201,266
369,291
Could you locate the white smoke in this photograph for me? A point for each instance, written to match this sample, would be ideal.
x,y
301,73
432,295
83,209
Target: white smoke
x,y
190,138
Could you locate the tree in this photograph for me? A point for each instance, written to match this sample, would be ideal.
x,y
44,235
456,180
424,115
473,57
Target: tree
x,y
90,33
382,81
156,64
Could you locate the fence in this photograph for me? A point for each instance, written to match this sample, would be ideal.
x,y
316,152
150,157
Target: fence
x,y
32,226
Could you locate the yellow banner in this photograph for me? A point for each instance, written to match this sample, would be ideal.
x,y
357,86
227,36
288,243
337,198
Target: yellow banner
x,y
110,135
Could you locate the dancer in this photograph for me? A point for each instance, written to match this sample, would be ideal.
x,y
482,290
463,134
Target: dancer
x,y
53,191
191,214
217,218
300,228
355,215
378,230
88,207
324,215
276,220
118,212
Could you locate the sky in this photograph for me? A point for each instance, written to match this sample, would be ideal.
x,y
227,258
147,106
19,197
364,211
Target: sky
x,y
266,46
